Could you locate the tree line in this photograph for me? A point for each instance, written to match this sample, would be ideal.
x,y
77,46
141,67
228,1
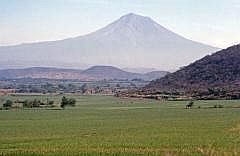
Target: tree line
x,y
36,103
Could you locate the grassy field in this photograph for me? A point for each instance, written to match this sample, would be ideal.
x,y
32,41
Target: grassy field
x,y
105,125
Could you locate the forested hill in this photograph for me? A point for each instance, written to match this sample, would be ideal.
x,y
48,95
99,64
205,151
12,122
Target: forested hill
x,y
217,74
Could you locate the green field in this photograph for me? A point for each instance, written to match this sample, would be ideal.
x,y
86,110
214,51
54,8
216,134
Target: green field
x,y
105,125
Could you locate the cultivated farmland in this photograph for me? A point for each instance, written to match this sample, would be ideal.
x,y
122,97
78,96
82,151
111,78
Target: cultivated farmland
x,y
106,125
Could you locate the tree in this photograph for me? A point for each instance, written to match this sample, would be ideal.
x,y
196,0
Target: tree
x,y
8,104
67,102
31,103
64,102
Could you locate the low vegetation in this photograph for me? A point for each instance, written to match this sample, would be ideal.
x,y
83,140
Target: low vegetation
x,y
218,106
37,103
8,104
190,104
67,102
45,86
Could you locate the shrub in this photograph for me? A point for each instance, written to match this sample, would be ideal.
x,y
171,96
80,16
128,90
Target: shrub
x,y
50,103
218,106
72,102
31,104
36,103
8,104
67,102
27,104
190,104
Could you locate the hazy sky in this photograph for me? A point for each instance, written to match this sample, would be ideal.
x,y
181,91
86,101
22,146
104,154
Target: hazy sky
x,y
215,22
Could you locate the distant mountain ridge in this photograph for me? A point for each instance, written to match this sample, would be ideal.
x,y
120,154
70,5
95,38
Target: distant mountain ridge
x,y
140,70
214,75
94,73
131,41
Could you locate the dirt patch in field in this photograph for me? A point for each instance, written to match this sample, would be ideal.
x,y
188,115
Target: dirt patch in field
x,y
235,129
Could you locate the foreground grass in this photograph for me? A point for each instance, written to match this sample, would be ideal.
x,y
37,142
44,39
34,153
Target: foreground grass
x,y
104,125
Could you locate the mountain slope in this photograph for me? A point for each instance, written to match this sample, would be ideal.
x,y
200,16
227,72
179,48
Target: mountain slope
x,y
155,75
217,74
139,70
92,74
131,41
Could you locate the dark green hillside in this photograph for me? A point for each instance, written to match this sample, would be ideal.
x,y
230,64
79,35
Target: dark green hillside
x,y
216,75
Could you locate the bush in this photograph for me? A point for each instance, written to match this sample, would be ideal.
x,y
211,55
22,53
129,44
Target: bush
x,y
27,104
50,103
31,104
8,104
190,104
67,102
72,102
36,103
218,106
